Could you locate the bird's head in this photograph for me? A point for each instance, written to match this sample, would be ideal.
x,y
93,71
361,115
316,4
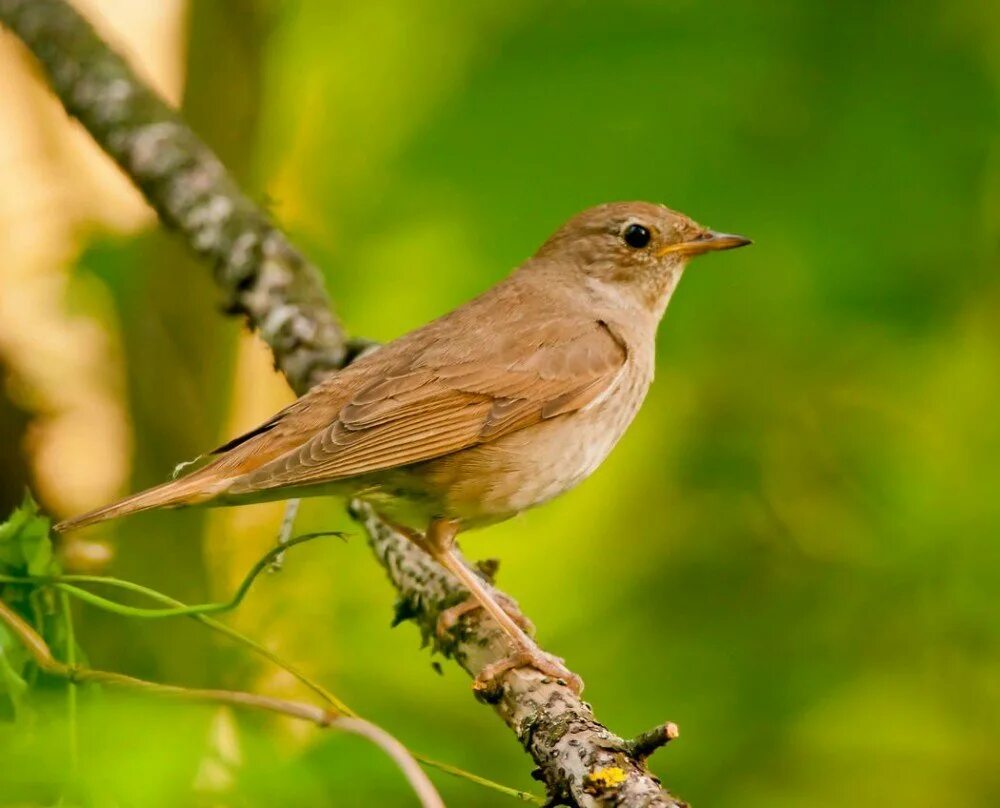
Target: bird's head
x,y
635,248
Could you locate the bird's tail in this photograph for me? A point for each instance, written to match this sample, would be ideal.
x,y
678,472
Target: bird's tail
x,y
190,490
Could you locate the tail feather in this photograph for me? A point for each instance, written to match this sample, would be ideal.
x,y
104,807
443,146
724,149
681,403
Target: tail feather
x,y
189,490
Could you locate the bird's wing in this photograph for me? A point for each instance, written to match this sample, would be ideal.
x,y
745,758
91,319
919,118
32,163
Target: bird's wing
x,y
419,410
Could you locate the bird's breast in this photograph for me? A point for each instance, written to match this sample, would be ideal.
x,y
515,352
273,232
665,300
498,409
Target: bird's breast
x,y
495,480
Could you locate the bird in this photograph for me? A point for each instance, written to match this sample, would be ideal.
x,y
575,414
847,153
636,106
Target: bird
x,y
501,405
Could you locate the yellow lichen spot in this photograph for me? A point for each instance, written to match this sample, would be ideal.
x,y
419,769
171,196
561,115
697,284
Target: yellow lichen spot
x,y
607,778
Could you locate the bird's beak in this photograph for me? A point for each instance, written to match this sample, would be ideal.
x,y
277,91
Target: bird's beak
x,y
708,241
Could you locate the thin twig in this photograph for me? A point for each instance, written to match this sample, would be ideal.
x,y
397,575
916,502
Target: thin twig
x,y
285,532
644,744
454,771
180,609
66,613
65,584
320,716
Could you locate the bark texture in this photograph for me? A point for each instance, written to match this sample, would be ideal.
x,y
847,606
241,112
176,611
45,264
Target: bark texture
x,y
265,278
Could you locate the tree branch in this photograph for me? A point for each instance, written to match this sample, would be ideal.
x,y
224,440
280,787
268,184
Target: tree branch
x,y
263,276
281,295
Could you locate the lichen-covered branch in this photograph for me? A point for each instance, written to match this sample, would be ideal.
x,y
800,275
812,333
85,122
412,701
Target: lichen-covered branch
x,y
262,275
579,759
281,295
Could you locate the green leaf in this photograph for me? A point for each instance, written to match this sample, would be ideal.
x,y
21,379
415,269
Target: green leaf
x,y
25,549
25,541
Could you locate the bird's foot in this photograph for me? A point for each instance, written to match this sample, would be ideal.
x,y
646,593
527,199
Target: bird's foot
x,y
449,617
487,680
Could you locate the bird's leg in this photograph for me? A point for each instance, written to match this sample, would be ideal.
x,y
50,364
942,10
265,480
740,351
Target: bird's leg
x,y
439,541
450,616
285,532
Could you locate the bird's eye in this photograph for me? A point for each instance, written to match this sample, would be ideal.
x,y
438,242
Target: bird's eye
x,y
636,236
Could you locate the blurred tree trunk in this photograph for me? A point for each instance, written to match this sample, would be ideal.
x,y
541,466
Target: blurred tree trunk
x,y
14,472
179,356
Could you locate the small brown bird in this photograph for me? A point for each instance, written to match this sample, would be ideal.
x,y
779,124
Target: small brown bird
x,y
499,406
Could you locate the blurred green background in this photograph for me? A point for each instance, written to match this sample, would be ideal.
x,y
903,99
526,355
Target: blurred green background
x,y
793,554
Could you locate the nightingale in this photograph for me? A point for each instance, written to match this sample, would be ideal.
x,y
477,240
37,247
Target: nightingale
x,y
496,407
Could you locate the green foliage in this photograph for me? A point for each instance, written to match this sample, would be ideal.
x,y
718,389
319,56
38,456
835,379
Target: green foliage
x,y
34,578
25,544
26,550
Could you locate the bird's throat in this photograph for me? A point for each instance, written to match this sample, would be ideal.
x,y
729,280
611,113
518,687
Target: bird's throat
x,y
657,288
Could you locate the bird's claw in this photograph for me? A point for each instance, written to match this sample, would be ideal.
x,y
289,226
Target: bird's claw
x,y
487,680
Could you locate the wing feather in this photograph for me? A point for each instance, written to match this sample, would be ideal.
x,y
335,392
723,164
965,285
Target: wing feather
x,y
437,408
